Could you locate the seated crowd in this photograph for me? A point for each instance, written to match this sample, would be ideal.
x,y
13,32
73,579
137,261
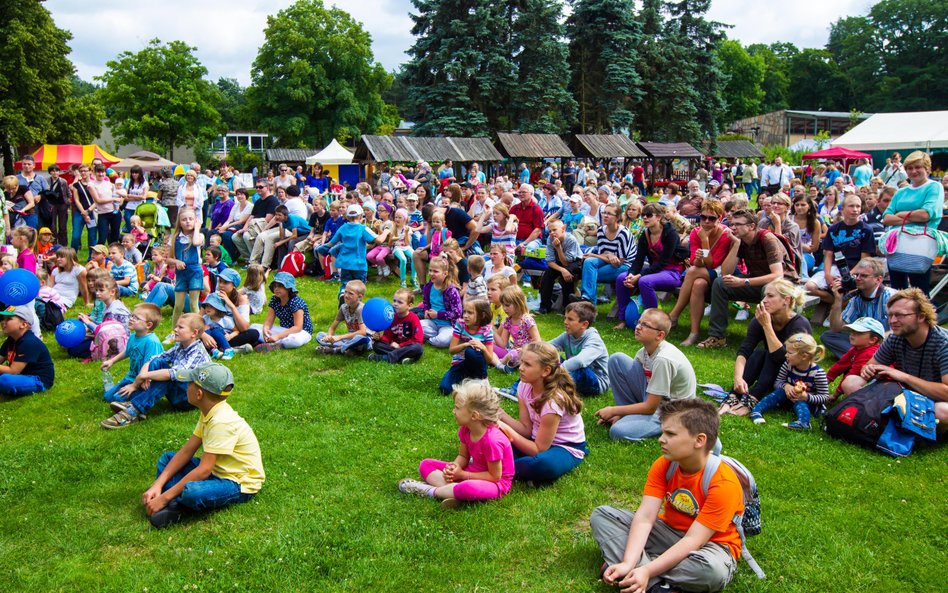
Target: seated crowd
x,y
460,252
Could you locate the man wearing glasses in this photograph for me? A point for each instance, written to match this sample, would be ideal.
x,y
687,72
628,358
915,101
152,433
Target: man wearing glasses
x,y
868,300
916,352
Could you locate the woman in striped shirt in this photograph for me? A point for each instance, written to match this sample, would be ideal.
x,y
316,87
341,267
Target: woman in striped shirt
x,y
612,255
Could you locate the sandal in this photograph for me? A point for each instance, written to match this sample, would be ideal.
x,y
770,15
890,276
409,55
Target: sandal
x,y
712,343
730,403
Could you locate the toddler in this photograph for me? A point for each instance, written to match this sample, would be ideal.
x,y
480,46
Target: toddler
x,y
476,286
471,346
355,340
217,323
484,466
130,248
161,271
138,232
865,338
403,341
254,288
800,381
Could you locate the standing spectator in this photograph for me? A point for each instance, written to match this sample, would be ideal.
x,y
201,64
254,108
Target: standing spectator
x,y
894,173
59,197
37,185
776,176
106,204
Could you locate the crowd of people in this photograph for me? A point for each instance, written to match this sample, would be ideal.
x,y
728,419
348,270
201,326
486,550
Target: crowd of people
x,y
463,247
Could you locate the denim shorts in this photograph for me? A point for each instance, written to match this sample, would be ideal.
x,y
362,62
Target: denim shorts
x,y
188,279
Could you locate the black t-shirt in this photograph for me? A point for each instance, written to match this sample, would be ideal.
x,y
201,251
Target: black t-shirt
x,y
265,206
851,241
317,222
463,274
32,351
456,221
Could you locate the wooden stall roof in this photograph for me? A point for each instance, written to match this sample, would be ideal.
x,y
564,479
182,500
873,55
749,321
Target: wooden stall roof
x,y
532,146
290,155
425,148
604,146
734,149
670,150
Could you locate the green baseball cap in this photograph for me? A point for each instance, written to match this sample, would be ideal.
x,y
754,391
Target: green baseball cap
x,y
211,376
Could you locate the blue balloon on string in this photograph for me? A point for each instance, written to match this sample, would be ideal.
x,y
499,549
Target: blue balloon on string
x,y
70,333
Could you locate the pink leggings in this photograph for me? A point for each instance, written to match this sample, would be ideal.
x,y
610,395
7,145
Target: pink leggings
x,y
378,254
466,490
502,352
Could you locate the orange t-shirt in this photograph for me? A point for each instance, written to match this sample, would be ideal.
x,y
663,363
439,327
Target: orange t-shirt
x,y
685,502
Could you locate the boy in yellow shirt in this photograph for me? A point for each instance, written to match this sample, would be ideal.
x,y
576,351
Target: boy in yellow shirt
x,y
230,469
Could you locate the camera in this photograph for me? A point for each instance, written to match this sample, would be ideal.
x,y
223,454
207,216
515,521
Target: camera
x,y
845,277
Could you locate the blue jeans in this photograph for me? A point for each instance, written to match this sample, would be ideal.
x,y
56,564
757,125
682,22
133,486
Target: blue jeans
x,y
175,391
127,220
596,270
474,366
219,336
30,219
110,226
163,294
778,399
111,395
629,386
347,275
78,223
547,466
204,495
22,384
587,383
125,291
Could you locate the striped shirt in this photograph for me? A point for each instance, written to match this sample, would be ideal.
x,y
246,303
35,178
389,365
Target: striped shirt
x,y
928,362
500,236
875,307
622,246
817,386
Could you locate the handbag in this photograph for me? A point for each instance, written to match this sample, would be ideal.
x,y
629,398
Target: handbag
x,y
909,252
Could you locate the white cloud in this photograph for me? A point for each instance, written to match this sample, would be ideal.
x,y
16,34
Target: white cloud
x,y
227,35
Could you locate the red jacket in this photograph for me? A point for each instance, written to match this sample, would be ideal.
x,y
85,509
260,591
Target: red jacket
x,y
404,330
851,363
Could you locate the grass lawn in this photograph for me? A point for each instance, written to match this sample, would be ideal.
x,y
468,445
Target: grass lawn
x,y
337,434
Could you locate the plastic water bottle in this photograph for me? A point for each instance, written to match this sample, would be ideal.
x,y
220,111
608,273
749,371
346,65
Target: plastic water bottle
x,y
107,382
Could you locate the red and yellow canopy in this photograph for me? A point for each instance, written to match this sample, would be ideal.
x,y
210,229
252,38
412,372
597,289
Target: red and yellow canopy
x,y
65,155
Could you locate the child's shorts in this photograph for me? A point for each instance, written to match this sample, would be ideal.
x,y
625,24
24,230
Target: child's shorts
x,y
189,279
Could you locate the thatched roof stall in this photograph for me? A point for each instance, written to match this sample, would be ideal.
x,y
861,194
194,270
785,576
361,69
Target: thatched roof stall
x,y
733,149
672,162
410,149
290,156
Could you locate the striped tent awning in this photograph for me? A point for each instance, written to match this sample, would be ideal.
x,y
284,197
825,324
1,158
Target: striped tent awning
x,y
66,155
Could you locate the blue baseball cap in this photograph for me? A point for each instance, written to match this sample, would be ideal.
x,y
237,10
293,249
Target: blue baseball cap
x,y
215,301
867,324
284,279
229,275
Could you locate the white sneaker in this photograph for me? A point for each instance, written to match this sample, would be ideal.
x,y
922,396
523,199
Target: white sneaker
x,y
826,322
742,315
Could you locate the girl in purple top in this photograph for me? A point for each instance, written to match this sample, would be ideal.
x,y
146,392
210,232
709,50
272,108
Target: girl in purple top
x,y
484,467
441,303
549,437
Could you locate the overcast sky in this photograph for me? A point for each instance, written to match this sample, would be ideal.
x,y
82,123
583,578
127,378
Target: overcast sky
x,y
227,34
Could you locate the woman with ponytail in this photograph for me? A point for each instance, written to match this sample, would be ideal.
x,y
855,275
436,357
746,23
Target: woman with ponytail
x,y
548,438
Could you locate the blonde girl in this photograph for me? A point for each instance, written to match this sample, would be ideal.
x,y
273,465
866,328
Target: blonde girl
x,y
548,436
503,230
471,347
254,288
138,229
500,263
800,382
441,302
69,278
495,284
400,244
484,466
161,271
437,234
189,275
518,330
24,241
376,256
632,218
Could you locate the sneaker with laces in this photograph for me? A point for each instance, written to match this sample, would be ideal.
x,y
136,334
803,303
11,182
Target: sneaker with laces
x,y
757,418
216,354
243,349
121,420
227,354
797,425
416,487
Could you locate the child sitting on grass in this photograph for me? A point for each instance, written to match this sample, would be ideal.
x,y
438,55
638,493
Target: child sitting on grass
x,y
472,346
123,271
403,341
355,340
27,366
496,283
130,249
291,311
229,471
157,378
106,292
484,466
694,544
476,285
517,330
585,353
142,346
441,302
866,335
800,381
98,258
161,272
217,323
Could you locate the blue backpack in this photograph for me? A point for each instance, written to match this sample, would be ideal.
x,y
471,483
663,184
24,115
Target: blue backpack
x,y
749,523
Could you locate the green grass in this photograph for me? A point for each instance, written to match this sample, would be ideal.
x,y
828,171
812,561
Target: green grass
x,y
337,434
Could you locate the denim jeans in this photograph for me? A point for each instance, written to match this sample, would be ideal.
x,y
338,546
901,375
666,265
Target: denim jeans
x,y
111,395
176,392
78,223
109,227
163,294
597,270
20,385
219,336
629,386
587,383
474,366
125,291
547,466
347,275
778,399
203,495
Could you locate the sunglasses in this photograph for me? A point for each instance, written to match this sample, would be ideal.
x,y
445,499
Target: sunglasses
x,y
259,186
706,218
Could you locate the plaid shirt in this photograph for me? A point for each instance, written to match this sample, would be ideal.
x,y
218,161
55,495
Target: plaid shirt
x,y
180,358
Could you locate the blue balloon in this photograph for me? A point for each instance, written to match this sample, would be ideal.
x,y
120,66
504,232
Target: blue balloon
x,y
378,314
632,314
70,333
18,287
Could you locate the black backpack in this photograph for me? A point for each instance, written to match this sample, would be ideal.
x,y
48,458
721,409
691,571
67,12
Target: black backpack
x,y
859,418
52,317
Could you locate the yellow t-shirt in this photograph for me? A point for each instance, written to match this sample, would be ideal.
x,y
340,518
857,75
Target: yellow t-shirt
x,y
224,433
497,316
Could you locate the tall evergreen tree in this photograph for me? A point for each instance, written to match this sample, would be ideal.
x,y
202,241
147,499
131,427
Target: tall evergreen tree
x,y
702,38
603,54
460,70
542,99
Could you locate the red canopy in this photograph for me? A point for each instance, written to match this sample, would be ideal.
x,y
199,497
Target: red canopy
x,y
837,152
65,155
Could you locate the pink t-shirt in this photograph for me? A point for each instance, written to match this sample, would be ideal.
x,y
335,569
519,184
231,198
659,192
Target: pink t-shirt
x,y
493,446
26,259
571,430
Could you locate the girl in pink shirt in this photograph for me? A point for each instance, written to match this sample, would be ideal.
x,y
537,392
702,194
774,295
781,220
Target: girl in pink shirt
x,y
484,467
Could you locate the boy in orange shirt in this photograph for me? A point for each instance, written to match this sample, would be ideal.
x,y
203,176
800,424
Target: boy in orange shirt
x,y
692,545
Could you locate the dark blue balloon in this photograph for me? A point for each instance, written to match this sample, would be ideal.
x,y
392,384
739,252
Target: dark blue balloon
x,y
70,333
378,314
632,314
18,287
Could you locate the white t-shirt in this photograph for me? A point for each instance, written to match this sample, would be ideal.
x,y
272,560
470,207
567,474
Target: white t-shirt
x,y
668,371
67,284
298,207
236,213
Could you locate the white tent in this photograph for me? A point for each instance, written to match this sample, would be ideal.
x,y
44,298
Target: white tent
x,y
920,130
334,154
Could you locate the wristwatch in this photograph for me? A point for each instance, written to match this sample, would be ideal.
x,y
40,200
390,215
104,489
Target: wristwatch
x,y
747,282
